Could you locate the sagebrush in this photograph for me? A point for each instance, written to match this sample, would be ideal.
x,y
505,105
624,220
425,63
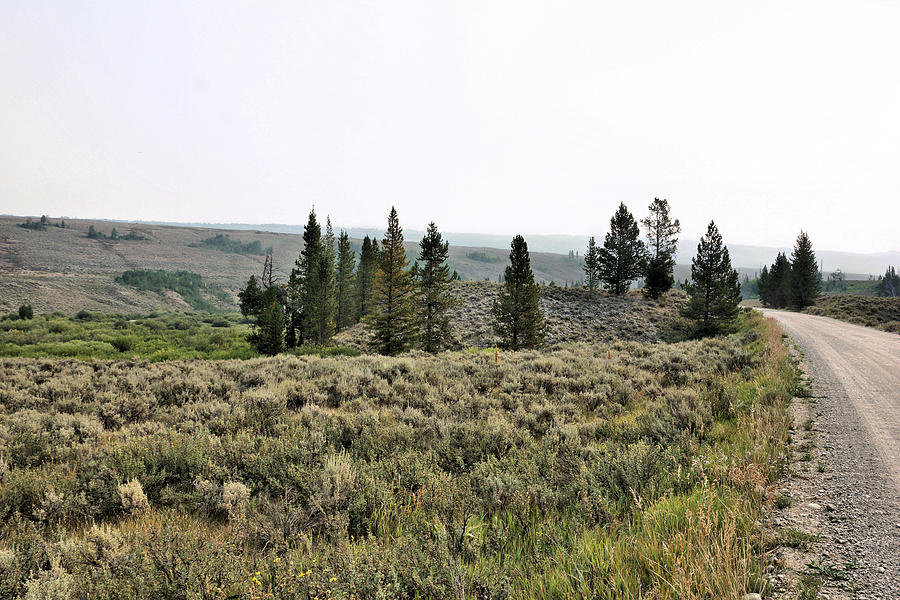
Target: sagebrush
x,y
605,471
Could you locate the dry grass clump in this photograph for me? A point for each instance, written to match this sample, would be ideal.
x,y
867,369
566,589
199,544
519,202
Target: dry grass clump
x,y
870,311
571,317
618,470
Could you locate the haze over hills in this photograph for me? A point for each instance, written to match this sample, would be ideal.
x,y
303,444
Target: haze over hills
x,y
745,258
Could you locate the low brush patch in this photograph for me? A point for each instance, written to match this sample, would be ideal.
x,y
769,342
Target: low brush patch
x,y
869,311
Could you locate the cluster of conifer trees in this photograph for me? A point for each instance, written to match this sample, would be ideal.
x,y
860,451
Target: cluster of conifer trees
x,y
714,288
624,257
889,285
328,291
407,306
791,283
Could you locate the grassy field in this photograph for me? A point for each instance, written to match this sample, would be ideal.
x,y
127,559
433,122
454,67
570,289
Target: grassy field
x,y
622,470
871,311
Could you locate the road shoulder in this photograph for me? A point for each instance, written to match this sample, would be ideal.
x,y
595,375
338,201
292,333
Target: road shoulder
x,y
836,526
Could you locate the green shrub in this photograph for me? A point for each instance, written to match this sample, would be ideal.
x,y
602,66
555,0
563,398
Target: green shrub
x,y
122,343
189,286
224,243
26,312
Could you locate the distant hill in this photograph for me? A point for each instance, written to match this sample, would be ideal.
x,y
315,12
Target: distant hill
x,y
63,269
746,258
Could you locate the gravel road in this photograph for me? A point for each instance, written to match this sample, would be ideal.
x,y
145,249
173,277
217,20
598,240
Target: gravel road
x,y
855,373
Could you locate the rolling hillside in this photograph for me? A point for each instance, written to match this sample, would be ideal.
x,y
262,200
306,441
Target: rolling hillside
x,y
63,269
570,316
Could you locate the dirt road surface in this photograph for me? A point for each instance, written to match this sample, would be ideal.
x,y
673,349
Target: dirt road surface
x,y
856,382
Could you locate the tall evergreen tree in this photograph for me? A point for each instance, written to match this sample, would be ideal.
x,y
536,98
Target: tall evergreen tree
x,y
662,238
765,287
714,289
328,307
250,298
295,317
346,297
623,256
395,326
804,280
309,287
779,290
434,297
268,338
365,277
592,267
518,317
266,307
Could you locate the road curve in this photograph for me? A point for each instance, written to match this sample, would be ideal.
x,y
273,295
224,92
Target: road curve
x,y
855,375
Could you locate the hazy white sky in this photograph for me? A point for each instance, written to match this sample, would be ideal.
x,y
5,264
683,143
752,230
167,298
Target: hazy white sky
x,y
483,116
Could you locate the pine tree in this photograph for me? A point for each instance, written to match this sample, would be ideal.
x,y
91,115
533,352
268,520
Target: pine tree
x,y
779,282
266,307
662,237
328,299
765,287
365,277
346,296
269,335
250,298
804,280
714,289
623,257
307,292
592,267
434,297
518,317
395,325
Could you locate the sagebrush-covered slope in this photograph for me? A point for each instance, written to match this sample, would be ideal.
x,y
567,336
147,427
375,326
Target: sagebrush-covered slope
x,y
570,315
870,311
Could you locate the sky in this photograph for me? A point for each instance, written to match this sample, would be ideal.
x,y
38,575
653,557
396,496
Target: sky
x,y
489,117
